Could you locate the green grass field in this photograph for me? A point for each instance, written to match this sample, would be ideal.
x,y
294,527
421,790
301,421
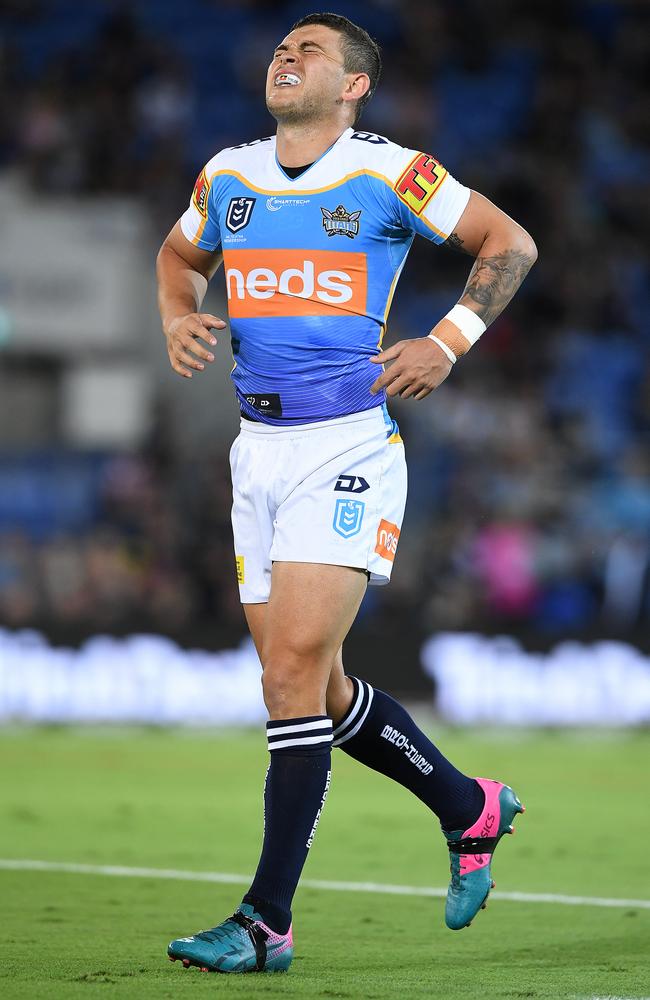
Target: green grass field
x,y
191,801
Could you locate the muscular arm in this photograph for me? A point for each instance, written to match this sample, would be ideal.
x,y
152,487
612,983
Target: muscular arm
x,y
504,254
183,273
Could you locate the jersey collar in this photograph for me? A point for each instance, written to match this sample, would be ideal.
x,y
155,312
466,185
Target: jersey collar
x,y
292,180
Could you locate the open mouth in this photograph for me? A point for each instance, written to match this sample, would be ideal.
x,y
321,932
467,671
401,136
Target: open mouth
x,y
287,80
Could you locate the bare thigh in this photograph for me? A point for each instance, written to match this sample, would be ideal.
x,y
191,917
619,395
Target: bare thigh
x,y
299,634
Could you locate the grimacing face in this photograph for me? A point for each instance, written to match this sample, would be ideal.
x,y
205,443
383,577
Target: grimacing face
x,y
306,79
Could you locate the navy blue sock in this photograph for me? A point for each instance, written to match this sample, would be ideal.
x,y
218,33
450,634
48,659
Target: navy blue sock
x,y
297,783
378,732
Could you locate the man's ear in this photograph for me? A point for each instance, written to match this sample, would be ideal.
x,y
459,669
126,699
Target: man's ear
x,y
357,87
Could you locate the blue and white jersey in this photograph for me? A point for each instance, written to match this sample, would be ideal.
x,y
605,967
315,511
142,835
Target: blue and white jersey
x,y
311,264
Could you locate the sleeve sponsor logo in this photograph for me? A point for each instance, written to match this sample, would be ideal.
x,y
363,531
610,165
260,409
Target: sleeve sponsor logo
x,y
239,563
265,282
200,194
387,539
420,181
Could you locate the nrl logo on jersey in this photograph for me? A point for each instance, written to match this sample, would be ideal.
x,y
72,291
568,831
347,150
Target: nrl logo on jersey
x,y
340,222
239,213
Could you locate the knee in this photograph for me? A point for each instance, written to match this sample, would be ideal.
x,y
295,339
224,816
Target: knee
x,y
292,684
276,688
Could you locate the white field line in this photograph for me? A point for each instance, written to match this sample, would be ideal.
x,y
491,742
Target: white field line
x,y
120,871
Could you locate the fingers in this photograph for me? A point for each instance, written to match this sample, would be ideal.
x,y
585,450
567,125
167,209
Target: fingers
x,y
209,321
190,343
403,381
181,359
385,379
418,371
410,390
189,360
389,354
399,385
186,351
178,367
181,362
195,328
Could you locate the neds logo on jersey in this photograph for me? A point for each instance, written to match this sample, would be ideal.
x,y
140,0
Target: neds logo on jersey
x,y
295,282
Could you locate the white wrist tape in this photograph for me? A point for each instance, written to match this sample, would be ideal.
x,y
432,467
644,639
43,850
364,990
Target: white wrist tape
x,y
470,325
445,347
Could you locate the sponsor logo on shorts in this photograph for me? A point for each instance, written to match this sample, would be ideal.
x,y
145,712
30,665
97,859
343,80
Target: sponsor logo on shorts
x,y
420,181
286,282
340,222
387,539
200,194
239,213
348,515
351,484
239,563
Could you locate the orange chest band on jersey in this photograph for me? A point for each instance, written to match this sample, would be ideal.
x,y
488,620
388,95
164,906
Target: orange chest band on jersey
x,y
295,283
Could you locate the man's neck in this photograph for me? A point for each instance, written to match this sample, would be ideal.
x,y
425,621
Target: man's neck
x,y
300,144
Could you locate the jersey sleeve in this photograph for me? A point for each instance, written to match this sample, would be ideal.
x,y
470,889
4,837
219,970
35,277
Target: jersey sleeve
x,y
423,197
199,222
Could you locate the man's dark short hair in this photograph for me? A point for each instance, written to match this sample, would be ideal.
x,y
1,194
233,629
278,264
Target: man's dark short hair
x,y
361,53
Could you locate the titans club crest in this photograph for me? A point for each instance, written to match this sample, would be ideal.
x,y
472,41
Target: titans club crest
x,y
340,222
239,213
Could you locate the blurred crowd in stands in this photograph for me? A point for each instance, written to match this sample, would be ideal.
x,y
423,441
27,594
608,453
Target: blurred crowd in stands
x,y
530,468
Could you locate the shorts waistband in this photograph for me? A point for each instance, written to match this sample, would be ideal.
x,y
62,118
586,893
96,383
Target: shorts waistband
x,y
376,415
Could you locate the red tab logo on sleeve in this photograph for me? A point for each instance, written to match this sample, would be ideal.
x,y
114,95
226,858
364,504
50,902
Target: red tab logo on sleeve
x,y
420,181
200,194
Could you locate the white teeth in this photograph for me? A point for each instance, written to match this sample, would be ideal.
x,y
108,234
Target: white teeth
x,y
287,80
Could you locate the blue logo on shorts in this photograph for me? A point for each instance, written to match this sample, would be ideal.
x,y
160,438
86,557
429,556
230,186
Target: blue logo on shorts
x,y
348,515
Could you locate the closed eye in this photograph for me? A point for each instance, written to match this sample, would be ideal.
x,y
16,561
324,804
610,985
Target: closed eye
x,y
304,47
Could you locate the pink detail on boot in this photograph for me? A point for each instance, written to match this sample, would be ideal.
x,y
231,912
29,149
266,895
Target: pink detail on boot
x,y
487,825
285,940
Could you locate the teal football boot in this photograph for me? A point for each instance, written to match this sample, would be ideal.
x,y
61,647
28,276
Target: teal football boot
x,y
242,943
471,853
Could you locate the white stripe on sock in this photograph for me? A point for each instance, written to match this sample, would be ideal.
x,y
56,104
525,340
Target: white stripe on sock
x,y
353,732
305,741
301,727
351,715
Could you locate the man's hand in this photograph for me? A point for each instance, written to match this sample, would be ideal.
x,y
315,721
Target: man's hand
x,y
419,367
183,341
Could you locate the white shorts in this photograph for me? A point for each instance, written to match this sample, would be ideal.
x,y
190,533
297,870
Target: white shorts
x,y
327,492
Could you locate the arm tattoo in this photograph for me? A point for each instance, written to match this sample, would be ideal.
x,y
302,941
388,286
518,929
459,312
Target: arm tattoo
x,y
454,242
494,280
